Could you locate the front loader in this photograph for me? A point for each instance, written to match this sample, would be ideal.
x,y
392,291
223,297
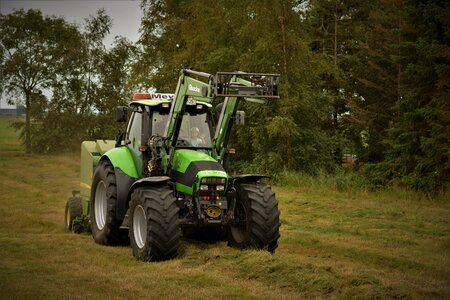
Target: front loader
x,y
168,174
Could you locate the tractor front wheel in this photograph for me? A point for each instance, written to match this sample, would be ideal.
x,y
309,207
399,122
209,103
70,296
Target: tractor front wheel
x,y
257,218
105,227
154,225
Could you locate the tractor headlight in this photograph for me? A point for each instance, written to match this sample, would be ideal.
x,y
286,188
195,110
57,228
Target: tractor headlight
x,y
213,180
212,185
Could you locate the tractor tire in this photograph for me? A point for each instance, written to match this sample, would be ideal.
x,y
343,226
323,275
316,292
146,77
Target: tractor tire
x,y
105,227
73,210
154,224
257,218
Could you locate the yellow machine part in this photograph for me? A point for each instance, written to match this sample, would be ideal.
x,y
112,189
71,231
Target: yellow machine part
x,y
213,212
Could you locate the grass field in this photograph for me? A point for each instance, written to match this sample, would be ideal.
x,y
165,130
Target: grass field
x,y
333,245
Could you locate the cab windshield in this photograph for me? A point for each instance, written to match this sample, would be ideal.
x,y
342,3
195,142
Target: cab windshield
x,y
195,131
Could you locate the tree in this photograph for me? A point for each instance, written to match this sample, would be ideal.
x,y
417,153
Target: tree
x,y
30,46
336,30
76,84
250,36
90,82
113,89
376,72
290,133
70,82
419,139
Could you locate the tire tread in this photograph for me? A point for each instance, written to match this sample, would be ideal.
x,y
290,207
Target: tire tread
x,y
264,217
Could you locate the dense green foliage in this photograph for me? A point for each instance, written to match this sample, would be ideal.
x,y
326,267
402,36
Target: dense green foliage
x,y
419,139
68,81
361,77
33,47
369,78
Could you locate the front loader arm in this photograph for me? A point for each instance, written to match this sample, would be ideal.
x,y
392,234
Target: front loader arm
x,y
188,88
253,87
223,128
234,86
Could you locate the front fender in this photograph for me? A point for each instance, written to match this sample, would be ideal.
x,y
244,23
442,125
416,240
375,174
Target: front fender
x,y
247,178
154,180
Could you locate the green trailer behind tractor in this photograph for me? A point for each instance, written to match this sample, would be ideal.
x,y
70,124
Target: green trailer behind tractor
x,y
168,176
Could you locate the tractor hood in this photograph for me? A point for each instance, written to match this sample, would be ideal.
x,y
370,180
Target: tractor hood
x,y
190,166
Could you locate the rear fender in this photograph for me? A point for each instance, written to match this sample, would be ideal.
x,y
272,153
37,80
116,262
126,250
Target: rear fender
x,y
123,184
126,174
122,158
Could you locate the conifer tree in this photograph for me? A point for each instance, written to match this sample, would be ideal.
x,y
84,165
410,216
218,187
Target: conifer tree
x,y
420,137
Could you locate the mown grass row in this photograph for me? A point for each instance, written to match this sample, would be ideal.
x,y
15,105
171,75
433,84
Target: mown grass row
x,y
335,244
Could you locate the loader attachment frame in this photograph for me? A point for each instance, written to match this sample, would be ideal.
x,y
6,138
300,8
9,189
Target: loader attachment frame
x,y
241,84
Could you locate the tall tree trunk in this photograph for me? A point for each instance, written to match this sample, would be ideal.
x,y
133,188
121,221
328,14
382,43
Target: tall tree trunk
x,y
335,35
335,113
284,49
28,122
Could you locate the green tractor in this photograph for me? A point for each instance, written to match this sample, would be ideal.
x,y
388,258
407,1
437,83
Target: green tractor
x,y
168,173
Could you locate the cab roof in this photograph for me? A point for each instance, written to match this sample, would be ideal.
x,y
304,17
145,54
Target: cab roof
x,y
155,99
151,99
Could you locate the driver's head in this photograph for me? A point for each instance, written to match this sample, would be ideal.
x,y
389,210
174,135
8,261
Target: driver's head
x,y
194,132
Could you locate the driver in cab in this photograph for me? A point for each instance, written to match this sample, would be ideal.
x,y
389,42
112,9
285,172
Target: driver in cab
x,y
196,140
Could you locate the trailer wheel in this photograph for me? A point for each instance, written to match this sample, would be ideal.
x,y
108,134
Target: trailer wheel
x,y
105,227
257,218
154,224
73,210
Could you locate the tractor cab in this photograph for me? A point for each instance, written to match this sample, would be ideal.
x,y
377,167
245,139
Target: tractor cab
x,y
148,124
152,112
149,117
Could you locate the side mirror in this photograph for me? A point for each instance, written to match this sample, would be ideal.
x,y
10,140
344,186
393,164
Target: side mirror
x,y
218,112
121,114
240,117
119,138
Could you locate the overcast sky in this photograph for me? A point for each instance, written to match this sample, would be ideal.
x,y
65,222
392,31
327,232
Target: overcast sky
x,y
126,14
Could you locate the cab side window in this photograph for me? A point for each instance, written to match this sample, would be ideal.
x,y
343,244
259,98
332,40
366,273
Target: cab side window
x,y
159,123
134,130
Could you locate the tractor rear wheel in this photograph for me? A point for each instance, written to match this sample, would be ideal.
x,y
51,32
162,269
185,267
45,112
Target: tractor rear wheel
x,y
257,218
73,210
105,227
154,224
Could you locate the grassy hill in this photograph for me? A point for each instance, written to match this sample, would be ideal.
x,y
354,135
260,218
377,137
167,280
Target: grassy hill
x,y
333,245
